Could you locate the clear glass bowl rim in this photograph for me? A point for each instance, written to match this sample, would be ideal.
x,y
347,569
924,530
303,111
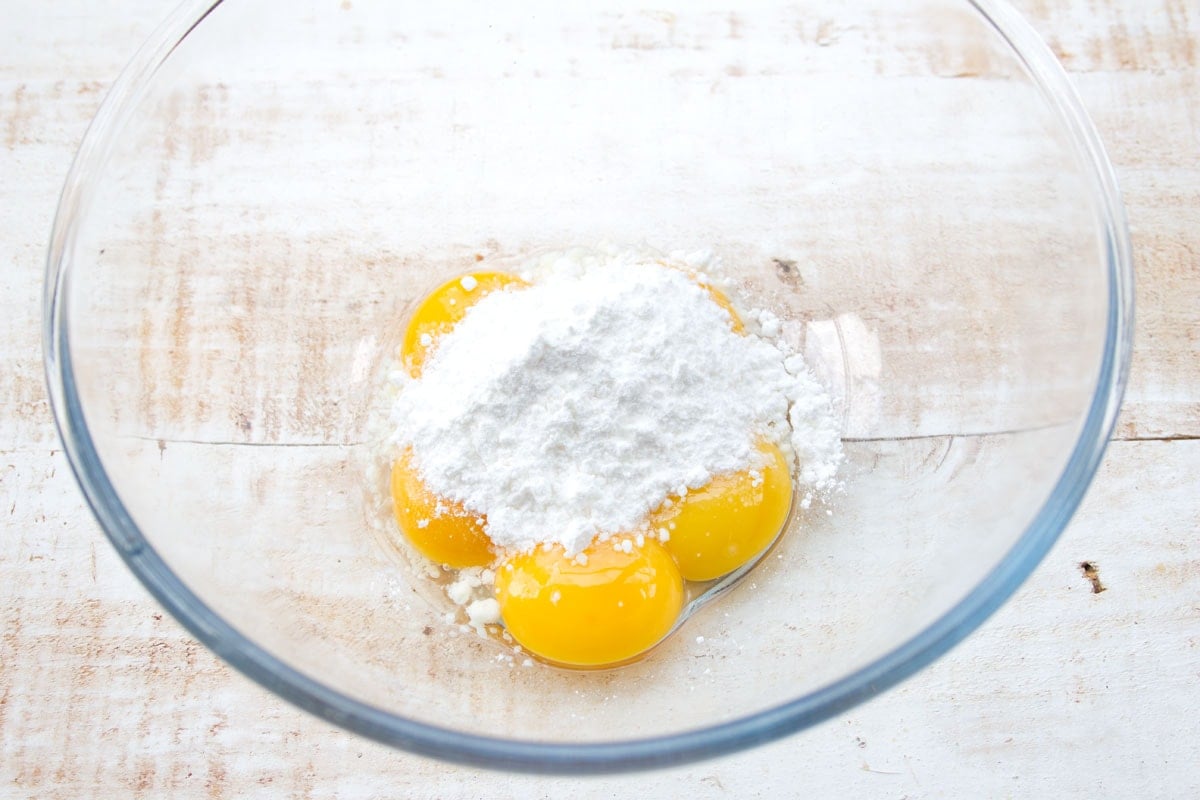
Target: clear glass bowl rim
x,y
552,757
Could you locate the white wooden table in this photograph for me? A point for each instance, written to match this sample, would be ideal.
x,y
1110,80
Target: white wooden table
x,y
1064,693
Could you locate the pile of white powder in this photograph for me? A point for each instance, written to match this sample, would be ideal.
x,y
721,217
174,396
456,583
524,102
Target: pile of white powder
x,y
574,407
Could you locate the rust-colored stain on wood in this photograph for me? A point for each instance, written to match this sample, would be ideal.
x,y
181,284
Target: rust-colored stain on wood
x,y
1092,573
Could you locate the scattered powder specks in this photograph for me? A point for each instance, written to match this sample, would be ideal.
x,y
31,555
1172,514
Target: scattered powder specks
x,y
483,612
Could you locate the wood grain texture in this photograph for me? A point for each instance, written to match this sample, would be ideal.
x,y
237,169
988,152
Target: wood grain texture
x,y
1064,693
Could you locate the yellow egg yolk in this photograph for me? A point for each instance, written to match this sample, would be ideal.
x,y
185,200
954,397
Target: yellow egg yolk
x,y
604,608
442,531
611,603
443,309
718,297
718,528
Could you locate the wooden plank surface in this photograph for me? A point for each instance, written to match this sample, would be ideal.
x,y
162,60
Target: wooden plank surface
x,y
1065,692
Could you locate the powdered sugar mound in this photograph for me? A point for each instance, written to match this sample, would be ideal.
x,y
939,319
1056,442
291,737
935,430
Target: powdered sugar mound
x,y
576,406
815,439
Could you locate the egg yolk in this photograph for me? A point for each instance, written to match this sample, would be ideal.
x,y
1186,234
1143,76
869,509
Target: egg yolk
x,y
442,310
718,297
721,526
440,530
601,609
616,599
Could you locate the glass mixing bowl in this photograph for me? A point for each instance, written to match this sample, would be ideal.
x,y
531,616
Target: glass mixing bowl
x,y
270,186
